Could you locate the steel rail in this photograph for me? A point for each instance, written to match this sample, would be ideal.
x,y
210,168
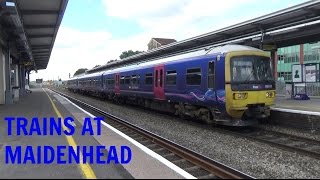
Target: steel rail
x,y
214,168
293,143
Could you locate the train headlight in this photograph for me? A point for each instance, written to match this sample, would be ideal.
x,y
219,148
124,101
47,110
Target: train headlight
x,y
240,96
270,94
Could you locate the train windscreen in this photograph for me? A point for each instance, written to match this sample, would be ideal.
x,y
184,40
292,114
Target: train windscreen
x,y
251,69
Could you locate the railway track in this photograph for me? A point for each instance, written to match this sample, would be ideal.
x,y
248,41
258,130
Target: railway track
x,y
197,165
306,146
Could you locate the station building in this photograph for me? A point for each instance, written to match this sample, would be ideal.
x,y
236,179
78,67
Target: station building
x,y
298,54
303,54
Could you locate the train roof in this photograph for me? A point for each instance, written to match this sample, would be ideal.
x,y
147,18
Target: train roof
x,y
179,57
231,48
186,56
86,75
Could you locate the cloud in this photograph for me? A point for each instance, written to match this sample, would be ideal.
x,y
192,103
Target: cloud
x,y
128,9
149,9
75,49
179,19
182,19
69,38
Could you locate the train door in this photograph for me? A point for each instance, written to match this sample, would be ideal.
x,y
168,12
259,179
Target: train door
x,y
211,77
105,83
211,73
117,83
158,86
101,83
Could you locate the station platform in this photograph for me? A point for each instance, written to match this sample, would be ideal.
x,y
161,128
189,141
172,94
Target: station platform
x,y
304,105
302,114
45,103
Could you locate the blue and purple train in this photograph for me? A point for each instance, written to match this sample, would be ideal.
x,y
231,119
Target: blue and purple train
x,y
231,85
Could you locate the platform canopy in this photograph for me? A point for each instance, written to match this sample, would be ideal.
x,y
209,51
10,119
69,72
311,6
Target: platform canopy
x,y
33,24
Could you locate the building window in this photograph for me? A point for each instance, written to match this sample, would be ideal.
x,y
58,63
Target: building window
x,y
280,58
285,76
194,76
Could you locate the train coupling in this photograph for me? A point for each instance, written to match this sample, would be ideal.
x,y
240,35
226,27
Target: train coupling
x,y
257,111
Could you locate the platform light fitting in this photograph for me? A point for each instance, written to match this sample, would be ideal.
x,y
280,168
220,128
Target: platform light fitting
x,y
10,4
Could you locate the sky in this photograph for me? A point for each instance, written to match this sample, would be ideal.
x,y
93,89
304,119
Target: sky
x,y
93,32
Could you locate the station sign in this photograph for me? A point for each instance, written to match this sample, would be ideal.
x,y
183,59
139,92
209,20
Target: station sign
x,y
269,47
29,63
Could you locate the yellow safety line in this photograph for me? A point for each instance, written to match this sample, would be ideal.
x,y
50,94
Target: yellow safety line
x,y
86,169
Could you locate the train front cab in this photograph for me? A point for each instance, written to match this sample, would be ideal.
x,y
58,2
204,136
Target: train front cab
x,y
250,86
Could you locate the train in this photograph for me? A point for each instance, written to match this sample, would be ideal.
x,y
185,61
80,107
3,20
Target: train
x,y
231,85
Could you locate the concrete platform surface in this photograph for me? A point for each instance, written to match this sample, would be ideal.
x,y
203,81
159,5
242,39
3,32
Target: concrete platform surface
x,y
305,105
38,104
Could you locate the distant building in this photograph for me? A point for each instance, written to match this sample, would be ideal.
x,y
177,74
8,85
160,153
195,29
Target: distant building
x,y
157,42
39,81
297,54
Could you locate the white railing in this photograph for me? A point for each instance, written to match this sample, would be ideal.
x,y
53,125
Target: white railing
x,y
313,89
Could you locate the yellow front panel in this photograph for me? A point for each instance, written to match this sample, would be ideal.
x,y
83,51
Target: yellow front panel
x,y
236,108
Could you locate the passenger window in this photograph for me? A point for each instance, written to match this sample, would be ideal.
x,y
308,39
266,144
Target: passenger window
x,y
211,72
138,79
149,79
122,80
127,80
171,78
133,79
194,76
112,81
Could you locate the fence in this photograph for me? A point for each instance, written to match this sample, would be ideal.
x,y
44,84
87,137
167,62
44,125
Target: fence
x,y
313,89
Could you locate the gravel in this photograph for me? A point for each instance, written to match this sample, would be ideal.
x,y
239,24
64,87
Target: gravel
x,y
311,134
254,158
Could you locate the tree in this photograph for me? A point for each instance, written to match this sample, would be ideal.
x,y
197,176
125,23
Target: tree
x,y
126,54
95,66
80,71
112,60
